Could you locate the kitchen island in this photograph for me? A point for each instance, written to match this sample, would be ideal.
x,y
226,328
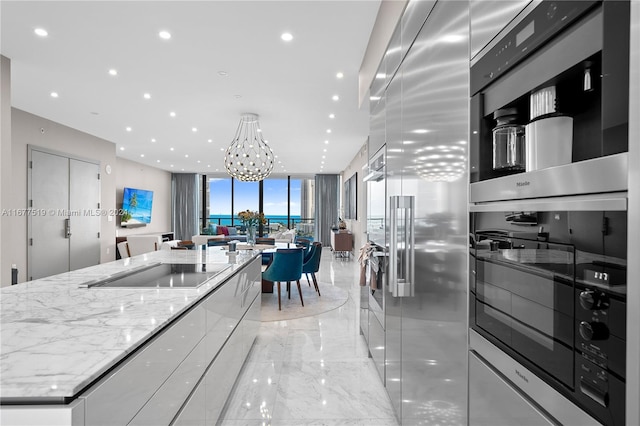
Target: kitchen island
x,y
75,354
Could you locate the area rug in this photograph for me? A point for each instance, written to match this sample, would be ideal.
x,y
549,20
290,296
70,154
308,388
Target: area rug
x,y
332,297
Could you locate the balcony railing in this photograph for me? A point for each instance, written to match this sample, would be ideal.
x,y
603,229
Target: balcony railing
x,y
303,226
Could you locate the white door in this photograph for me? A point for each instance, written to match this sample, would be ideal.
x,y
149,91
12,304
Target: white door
x,y
65,233
84,221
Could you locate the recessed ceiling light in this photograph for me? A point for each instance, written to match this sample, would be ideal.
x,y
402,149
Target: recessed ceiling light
x,y
381,76
172,114
326,142
171,165
165,35
332,116
194,129
209,140
54,94
186,156
421,131
41,32
221,149
324,150
113,71
157,161
198,161
128,129
122,148
171,149
147,96
153,139
141,155
328,130
286,36
340,75
223,73
335,97
374,98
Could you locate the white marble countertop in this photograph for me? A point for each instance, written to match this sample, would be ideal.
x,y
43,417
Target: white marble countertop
x,y
56,337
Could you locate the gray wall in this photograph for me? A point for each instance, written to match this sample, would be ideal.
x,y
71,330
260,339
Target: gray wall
x,y
6,170
29,129
135,175
357,226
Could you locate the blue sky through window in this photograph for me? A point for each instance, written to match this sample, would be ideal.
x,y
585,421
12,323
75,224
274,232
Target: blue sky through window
x,y
246,197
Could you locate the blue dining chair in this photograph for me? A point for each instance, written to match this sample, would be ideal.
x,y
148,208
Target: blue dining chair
x,y
286,266
311,264
213,243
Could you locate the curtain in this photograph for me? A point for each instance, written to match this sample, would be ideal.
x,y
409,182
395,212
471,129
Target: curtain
x,y
327,189
184,191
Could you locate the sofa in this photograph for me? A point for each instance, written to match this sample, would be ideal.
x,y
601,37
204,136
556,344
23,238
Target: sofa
x,y
284,236
214,231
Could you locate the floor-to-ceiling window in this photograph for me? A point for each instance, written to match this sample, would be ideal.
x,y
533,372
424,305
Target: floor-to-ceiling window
x,y
286,202
246,196
220,200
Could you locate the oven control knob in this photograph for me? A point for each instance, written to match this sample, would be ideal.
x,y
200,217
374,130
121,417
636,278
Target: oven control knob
x,y
593,300
593,330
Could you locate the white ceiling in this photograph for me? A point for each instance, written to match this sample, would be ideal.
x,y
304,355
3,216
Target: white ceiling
x,y
290,85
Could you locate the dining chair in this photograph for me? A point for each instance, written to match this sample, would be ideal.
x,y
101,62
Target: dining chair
x,y
311,264
213,243
123,249
139,244
285,267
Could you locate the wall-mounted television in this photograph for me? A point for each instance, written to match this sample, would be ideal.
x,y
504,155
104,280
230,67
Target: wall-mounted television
x,y
136,207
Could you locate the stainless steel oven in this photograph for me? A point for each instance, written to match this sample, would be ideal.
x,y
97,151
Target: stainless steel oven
x,y
372,318
548,288
549,184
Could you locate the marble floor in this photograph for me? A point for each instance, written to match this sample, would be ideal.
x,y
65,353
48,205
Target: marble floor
x,y
313,370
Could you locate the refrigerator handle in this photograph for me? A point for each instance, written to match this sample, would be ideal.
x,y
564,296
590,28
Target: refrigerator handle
x,y
401,247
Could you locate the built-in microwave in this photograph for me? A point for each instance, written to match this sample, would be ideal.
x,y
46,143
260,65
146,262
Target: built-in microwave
x,y
376,198
550,104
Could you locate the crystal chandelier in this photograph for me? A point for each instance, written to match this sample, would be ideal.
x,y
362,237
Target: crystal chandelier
x,y
249,158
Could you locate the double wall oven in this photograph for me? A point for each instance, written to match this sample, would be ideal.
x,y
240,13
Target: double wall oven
x,y
548,212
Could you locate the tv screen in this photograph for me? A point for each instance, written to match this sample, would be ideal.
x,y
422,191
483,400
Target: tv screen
x,y
136,206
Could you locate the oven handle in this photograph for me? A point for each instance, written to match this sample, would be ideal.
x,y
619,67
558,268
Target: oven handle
x,y
401,248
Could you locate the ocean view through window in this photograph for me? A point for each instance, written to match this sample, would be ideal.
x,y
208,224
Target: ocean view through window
x,y
283,201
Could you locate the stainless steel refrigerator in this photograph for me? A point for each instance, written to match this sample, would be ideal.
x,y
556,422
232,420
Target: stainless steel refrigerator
x,y
421,112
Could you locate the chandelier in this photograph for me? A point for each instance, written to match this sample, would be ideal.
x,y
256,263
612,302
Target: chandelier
x,y
249,158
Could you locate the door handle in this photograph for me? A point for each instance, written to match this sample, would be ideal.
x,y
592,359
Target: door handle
x,y
67,228
401,246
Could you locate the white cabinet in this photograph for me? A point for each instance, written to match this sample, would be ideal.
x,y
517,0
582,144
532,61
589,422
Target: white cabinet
x,y
207,402
185,374
118,397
